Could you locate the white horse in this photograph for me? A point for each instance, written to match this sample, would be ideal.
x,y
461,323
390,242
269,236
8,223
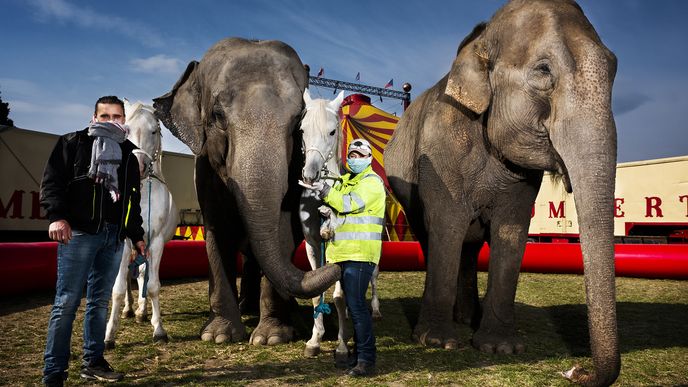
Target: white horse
x,y
160,218
322,141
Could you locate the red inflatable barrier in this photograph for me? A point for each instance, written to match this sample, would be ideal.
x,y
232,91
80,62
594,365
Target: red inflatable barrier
x,y
32,266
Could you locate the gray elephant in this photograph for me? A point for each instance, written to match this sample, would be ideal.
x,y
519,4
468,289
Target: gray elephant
x,y
529,91
238,110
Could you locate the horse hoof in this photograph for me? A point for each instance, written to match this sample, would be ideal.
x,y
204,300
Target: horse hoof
x,y
127,314
377,316
109,345
342,360
141,319
311,351
160,339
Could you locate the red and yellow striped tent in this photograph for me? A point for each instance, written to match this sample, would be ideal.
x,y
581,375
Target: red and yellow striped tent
x,y
360,119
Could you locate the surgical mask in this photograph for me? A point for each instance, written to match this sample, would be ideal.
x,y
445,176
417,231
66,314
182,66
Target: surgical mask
x,y
358,165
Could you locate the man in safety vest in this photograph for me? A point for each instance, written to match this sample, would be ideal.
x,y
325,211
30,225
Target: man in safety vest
x,y
359,204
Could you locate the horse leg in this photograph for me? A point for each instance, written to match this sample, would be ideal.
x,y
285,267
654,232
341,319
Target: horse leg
x,y
342,352
141,314
118,294
375,302
128,311
313,345
153,290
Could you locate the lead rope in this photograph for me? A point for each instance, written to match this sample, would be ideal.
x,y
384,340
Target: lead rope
x,y
145,275
322,307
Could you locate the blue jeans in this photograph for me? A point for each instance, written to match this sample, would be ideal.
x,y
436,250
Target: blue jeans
x,y
355,279
91,259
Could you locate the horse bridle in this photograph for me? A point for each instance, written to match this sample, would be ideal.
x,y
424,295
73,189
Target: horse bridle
x,y
148,171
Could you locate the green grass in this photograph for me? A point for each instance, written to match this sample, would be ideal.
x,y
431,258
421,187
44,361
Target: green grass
x,y
550,312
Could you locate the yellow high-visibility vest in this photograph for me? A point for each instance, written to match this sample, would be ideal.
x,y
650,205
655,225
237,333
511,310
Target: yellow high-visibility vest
x,y
360,201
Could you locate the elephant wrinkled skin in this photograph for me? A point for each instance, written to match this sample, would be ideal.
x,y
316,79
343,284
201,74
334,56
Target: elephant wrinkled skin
x,y
238,110
529,91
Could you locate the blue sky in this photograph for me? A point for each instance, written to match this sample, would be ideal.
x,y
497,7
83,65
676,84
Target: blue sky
x,y
59,56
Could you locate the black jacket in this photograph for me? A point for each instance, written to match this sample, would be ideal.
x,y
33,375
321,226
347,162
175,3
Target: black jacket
x,y
68,193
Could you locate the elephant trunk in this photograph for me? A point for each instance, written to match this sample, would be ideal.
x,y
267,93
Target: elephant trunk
x,y
591,165
266,223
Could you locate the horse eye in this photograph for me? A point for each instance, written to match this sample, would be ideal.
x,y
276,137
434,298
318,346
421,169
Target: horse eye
x,y
332,132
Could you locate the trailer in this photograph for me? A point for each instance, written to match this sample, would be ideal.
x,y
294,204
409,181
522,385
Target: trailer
x,y
650,205
23,154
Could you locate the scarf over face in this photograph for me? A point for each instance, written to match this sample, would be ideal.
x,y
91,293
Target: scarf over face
x,y
106,154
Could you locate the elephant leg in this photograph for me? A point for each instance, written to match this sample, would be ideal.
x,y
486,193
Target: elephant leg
x,y
446,223
224,323
275,325
467,306
375,301
508,235
249,296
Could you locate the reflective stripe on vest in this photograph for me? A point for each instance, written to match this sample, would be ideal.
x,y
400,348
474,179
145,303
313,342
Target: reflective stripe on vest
x,y
365,220
357,236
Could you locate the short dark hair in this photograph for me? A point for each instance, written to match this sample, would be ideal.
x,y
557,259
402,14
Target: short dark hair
x,y
108,99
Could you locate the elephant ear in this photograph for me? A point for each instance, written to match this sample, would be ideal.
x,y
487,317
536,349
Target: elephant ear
x,y
180,110
468,82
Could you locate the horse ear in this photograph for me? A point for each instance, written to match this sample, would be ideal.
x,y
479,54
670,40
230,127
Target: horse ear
x,y
468,82
307,97
337,102
180,110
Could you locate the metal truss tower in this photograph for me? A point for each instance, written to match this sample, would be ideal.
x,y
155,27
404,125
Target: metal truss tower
x,y
405,95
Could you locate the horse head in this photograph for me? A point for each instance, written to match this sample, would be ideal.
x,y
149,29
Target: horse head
x,y
145,133
321,136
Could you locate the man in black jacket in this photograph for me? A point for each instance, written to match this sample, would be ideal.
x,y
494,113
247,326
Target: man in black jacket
x,y
90,191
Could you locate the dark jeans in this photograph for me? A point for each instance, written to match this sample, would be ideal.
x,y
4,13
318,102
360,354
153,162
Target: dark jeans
x,y
91,259
355,279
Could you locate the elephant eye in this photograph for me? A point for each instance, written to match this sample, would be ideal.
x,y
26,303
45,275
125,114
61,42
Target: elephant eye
x,y
541,77
543,68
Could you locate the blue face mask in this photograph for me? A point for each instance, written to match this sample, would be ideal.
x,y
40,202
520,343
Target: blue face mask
x,y
358,165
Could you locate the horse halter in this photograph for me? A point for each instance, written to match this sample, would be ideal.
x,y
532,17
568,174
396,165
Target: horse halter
x,y
150,160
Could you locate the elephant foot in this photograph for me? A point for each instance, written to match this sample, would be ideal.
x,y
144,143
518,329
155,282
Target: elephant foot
x,y
436,336
160,339
109,345
271,332
311,351
221,330
127,313
497,343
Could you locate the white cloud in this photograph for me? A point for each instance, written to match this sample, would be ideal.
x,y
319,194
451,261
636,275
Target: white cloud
x,y
157,64
12,87
64,12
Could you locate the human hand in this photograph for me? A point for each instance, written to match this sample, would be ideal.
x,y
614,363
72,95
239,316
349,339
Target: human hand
x,y
60,231
320,188
141,249
325,211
